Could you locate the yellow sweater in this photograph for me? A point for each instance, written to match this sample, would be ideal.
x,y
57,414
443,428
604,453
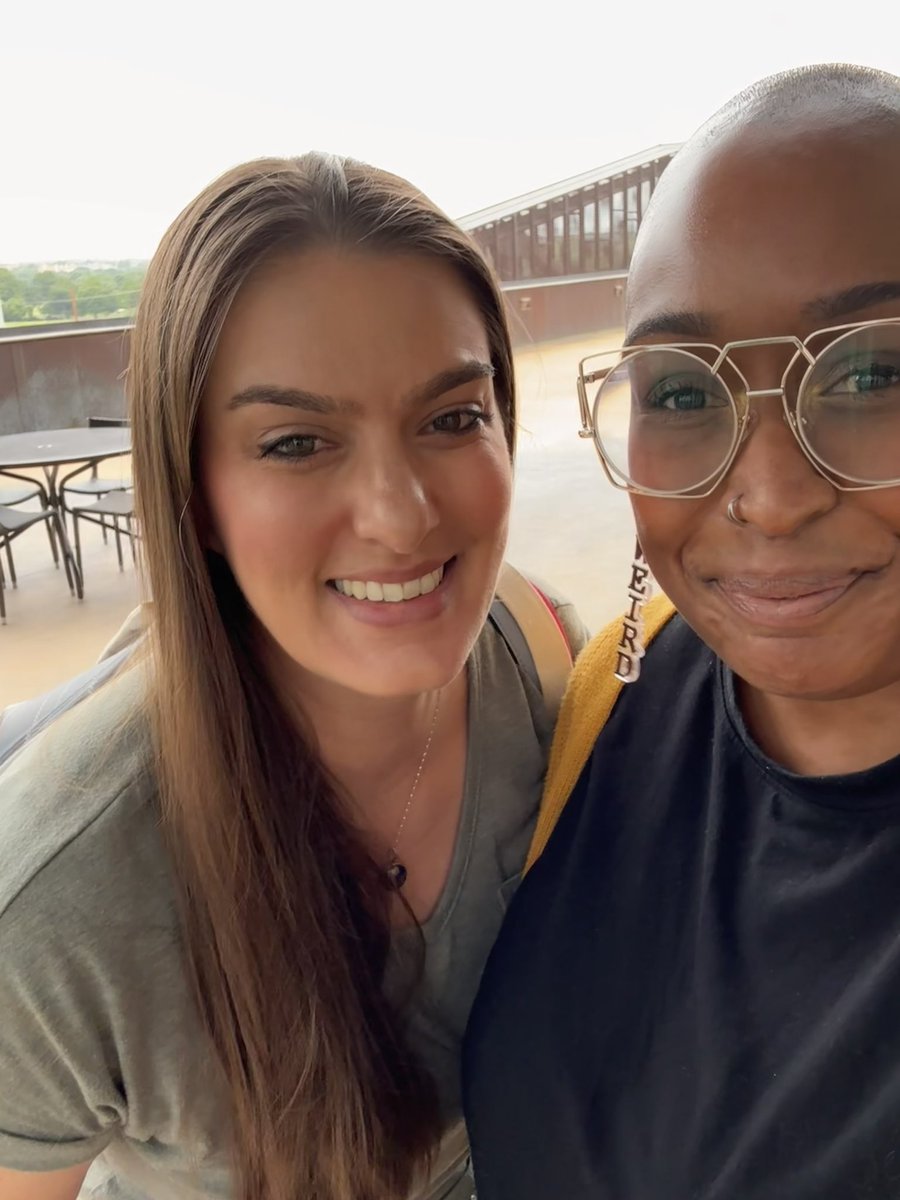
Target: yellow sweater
x,y
590,697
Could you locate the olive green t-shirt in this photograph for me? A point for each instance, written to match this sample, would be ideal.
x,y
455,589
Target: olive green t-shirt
x,y
101,1050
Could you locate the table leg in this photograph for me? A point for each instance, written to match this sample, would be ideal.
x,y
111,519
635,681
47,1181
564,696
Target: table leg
x,y
51,471
54,498
73,571
69,556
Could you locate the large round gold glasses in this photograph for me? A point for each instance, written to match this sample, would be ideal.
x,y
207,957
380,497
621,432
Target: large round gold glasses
x,y
668,420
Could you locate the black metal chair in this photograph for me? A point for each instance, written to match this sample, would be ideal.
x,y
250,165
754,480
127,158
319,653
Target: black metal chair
x,y
115,507
94,485
22,490
27,489
14,522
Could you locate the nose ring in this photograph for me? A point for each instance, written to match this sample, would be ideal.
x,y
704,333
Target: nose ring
x,y
733,515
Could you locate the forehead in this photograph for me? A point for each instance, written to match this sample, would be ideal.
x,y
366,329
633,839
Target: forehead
x,y
348,321
754,227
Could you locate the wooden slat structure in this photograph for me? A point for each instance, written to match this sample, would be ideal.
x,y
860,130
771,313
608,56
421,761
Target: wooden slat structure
x,y
579,231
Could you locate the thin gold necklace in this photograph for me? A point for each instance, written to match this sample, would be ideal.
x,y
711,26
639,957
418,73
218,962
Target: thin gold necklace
x,y
396,872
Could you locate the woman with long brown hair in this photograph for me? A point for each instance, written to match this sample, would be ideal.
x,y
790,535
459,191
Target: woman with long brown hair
x,y
247,889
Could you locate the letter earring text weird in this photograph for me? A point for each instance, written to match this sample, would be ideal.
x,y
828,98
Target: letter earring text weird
x,y
732,511
631,647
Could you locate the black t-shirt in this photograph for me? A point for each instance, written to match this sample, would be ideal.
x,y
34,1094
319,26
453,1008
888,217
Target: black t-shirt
x,y
696,994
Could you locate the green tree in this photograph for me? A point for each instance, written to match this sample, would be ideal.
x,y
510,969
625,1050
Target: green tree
x,y
49,291
10,285
47,295
44,285
96,295
15,309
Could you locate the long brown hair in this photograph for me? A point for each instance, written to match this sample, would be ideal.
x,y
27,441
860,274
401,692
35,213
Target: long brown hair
x,y
286,924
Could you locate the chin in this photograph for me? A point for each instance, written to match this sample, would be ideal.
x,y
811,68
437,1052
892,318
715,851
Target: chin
x,y
409,671
806,672
396,684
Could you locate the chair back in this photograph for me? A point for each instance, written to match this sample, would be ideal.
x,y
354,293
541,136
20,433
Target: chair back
x,y
107,422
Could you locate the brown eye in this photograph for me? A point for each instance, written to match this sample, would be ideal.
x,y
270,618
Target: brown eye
x,y
461,420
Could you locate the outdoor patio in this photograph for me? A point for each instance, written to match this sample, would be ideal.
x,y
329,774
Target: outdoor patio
x,y
49,635
569,528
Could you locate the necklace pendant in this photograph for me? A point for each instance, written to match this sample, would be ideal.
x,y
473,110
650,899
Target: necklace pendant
x,y
396,875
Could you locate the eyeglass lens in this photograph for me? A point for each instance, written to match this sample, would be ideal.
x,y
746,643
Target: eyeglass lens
x,y
667,423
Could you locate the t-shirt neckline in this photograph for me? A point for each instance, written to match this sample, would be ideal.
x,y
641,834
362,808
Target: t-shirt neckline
x,y
874,789
429,929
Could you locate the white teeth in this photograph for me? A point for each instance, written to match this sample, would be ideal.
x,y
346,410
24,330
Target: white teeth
x,y
393,593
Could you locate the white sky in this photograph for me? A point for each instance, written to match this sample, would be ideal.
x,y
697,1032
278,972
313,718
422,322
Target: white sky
x,y
115,114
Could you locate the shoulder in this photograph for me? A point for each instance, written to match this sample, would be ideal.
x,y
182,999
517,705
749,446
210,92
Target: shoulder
x,y
597,663
592,694
62,788
529,639
89,932
618,742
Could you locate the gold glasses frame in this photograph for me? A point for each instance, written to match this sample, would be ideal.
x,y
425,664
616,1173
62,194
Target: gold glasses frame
x,y
740,403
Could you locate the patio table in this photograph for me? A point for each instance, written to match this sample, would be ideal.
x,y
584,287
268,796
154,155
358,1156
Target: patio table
x,y
50,449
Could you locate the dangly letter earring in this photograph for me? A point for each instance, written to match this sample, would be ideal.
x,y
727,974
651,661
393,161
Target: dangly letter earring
x,y
631,647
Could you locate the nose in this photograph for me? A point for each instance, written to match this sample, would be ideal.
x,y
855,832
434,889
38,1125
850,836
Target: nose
x,y
391,502
780,489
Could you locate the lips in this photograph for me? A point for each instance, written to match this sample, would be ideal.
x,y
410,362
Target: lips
x,y
780,600
389,591
389,611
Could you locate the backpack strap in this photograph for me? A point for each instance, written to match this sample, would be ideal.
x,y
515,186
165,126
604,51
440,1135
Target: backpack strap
x,y
589,700
527,621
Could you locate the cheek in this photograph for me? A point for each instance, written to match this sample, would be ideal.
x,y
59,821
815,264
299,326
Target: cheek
x,y
260,521
270,522
883,505
481,492
664,528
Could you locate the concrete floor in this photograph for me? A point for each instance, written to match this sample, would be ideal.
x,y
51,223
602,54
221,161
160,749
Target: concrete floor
x,y
49,635
569,528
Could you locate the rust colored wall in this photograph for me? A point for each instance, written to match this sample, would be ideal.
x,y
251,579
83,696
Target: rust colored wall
x,y
546,311
57,381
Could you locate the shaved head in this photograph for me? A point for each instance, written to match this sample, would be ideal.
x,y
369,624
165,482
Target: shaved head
x,y
779,220
831,112
835,91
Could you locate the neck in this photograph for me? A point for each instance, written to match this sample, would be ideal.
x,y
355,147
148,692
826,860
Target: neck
x,y
370,738
372,745
824,737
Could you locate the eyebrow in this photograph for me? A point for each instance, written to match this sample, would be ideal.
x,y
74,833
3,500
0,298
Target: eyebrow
x,y
826,308
685,324
854,299
444,381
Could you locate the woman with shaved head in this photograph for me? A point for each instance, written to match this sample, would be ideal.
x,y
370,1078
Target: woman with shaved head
x,y
696,995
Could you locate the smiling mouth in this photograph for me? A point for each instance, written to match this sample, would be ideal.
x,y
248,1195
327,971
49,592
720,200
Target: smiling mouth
x,y
778,602
391,592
